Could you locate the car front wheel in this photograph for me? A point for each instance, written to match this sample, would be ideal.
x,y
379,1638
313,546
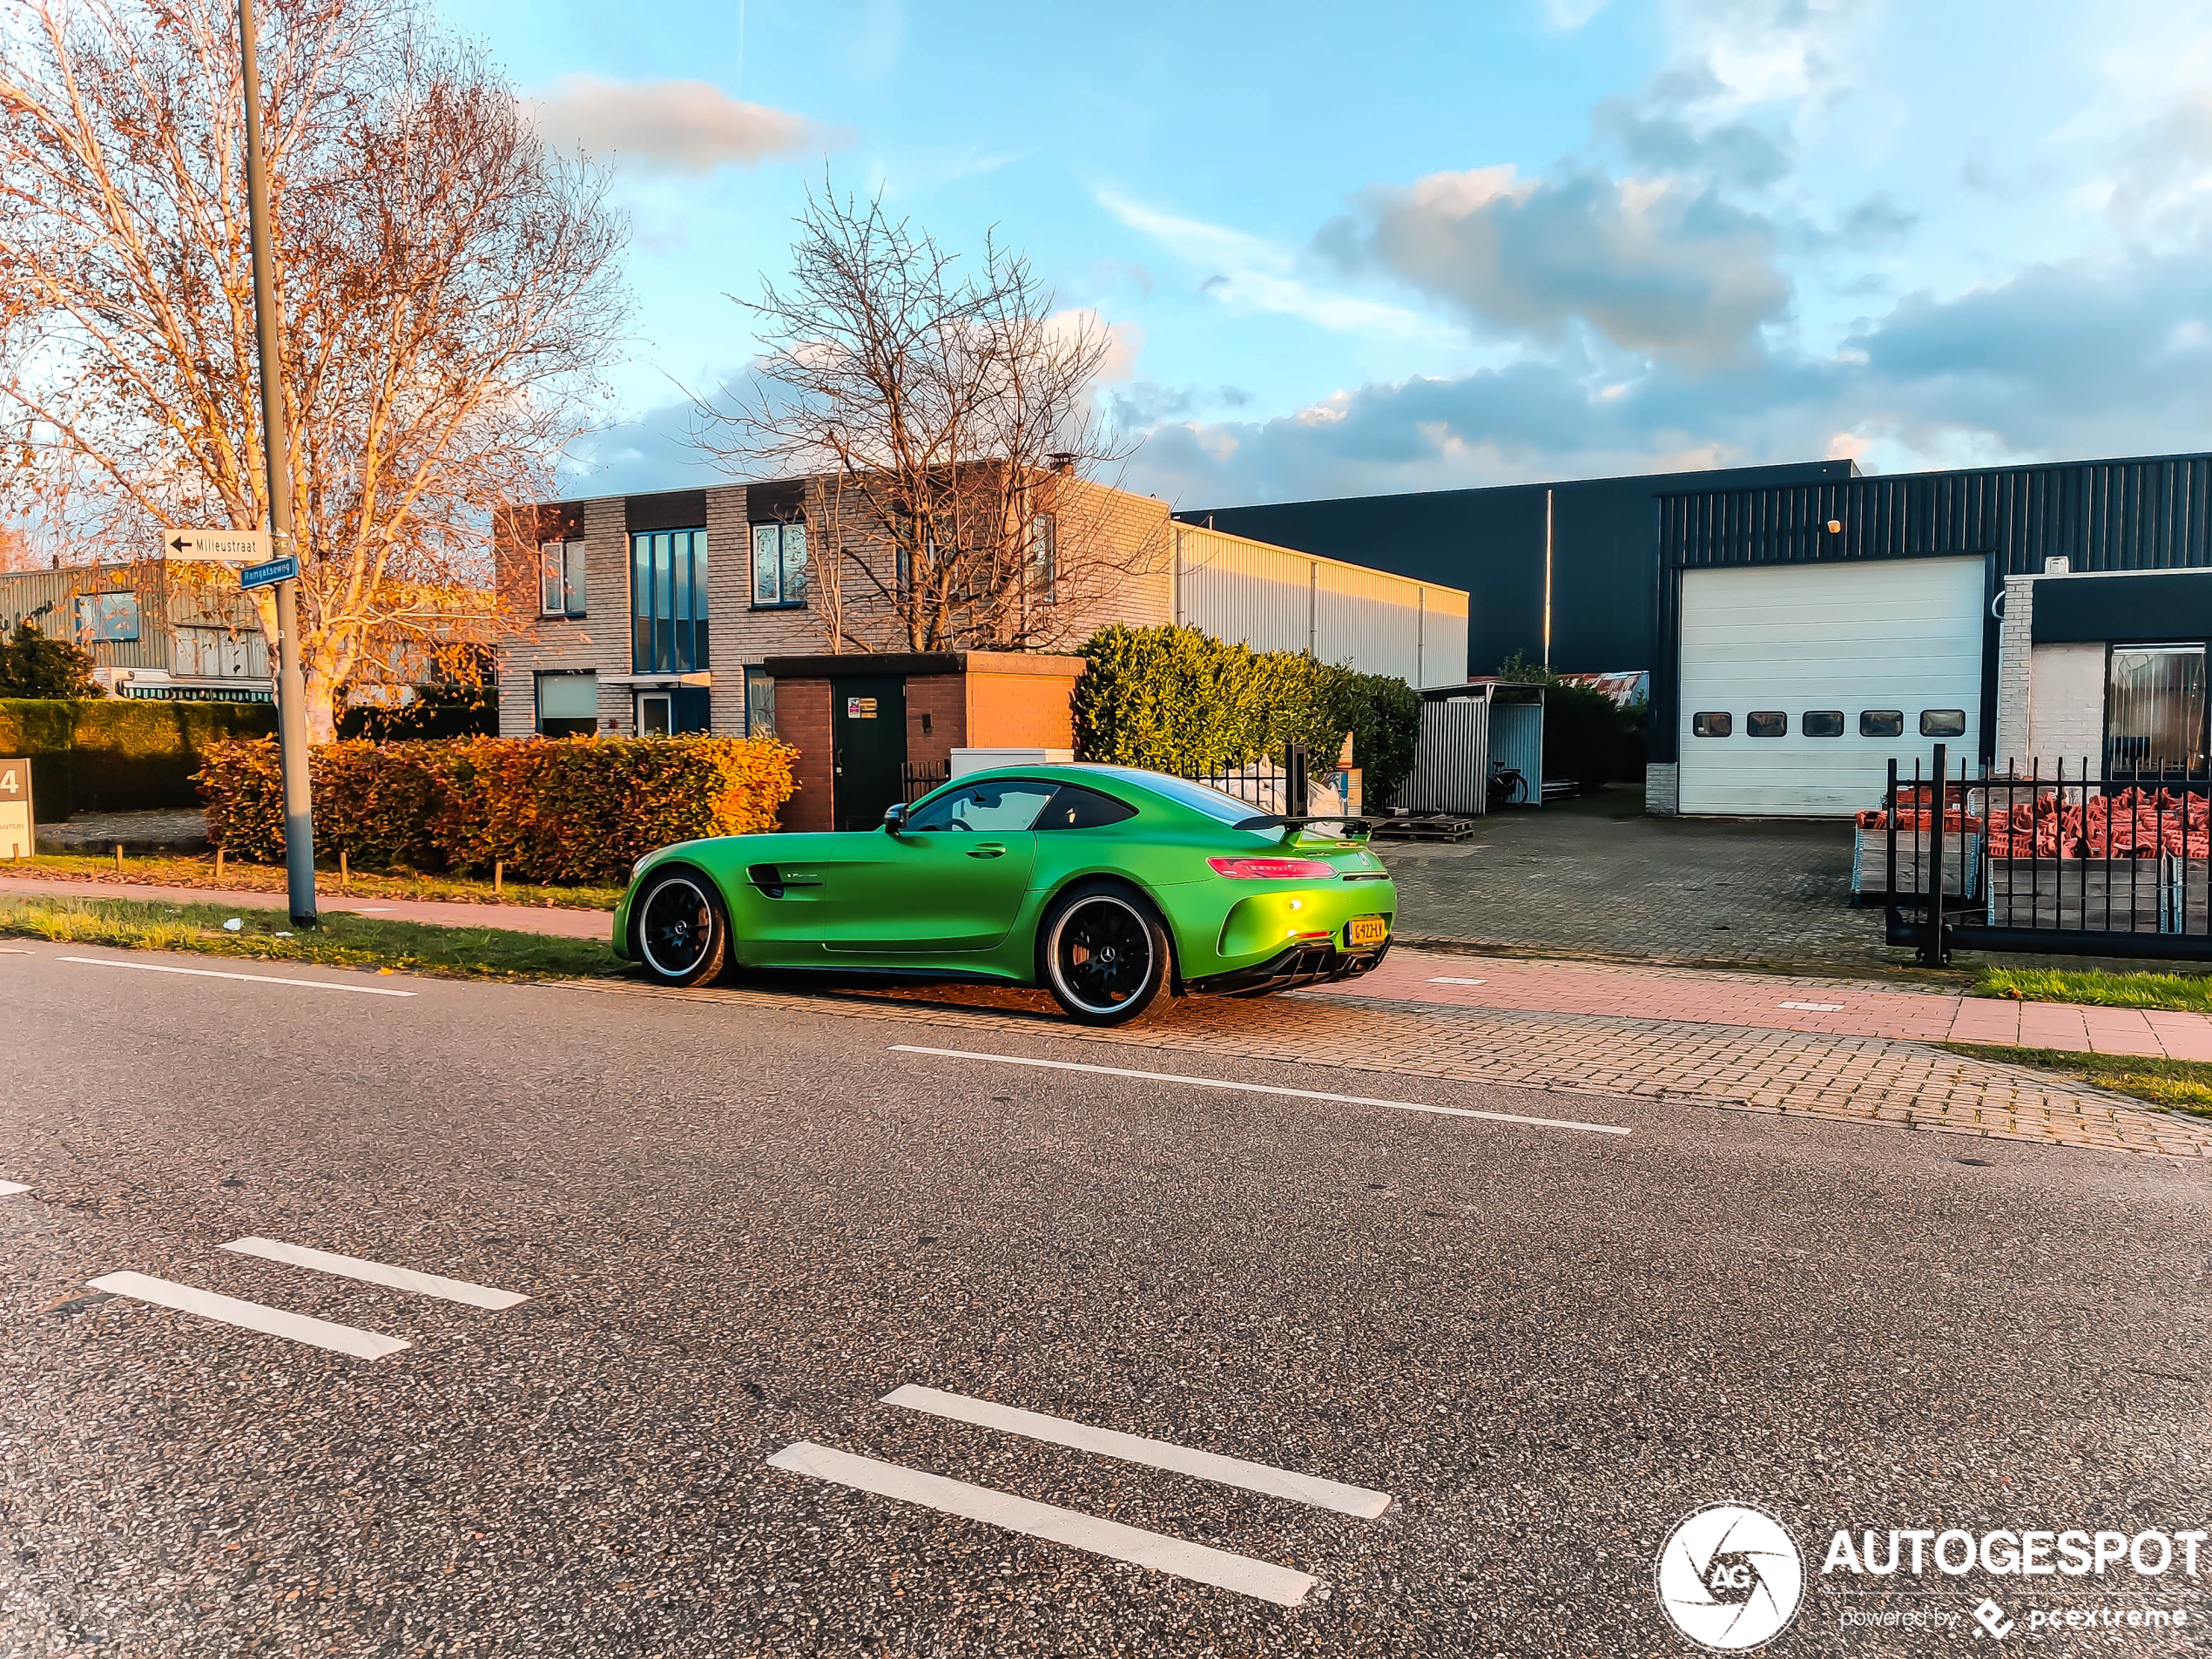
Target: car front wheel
x,y
682,930
1104,954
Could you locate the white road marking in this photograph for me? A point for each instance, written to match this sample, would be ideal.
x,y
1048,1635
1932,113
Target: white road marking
x,y
9,1189
1262,1579
251,1316
10,950
370,909
1446,980
399,1279
1135,1448
1263,1089
254,978
1814,1007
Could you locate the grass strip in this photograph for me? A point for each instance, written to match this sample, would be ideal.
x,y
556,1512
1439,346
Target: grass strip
x,y
2185,992
2179,1085
181,870
343,941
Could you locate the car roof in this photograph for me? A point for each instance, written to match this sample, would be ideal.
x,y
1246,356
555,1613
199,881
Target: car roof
x,y
1092,774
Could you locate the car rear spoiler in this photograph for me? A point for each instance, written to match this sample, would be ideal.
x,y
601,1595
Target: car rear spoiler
x,y
1349,824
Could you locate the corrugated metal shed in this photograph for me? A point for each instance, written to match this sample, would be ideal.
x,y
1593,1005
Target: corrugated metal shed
x,y
1272,598
2149,513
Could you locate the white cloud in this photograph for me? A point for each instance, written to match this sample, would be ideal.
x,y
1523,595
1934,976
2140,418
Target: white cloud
x,y
669,126
1249,272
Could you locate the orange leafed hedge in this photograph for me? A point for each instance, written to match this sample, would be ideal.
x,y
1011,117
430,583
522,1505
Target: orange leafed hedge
x,y
575,809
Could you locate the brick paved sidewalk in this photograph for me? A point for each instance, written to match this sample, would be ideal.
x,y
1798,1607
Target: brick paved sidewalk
x,y
1873,1081
507,918
1776,1002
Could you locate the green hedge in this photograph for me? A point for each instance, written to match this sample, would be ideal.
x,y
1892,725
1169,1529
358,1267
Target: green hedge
x,y
119,754
1178,700
577,809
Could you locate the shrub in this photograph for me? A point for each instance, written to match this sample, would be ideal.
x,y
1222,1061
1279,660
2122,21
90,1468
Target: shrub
x,y
32,666
119,754
575,810
1178,700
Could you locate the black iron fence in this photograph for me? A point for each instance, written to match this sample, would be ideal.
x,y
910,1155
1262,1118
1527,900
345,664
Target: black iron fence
x,y
1271,786
918,778
2074,864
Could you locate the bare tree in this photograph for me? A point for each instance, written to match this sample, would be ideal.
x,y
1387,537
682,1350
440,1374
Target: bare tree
x,y
448,285
950,422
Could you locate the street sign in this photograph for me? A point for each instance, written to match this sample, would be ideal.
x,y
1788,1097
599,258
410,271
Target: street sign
x,y
17,829
226,547
262,576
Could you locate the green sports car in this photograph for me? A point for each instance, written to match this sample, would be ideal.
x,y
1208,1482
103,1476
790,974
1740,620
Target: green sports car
x,y
1102,884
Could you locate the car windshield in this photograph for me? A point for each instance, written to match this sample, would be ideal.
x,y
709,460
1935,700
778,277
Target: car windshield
x,y
1215,804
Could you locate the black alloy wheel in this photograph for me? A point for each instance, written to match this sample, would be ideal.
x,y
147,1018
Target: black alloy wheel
x,y
1105,956
682,932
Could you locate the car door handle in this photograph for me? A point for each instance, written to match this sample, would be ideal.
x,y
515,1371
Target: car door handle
x,y
988,850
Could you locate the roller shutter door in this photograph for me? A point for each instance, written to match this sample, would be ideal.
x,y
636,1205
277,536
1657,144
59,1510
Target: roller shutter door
x,y
1891,634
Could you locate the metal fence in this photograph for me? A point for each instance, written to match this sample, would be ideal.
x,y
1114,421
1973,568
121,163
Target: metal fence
x,y
1271,786
2080,865
918,778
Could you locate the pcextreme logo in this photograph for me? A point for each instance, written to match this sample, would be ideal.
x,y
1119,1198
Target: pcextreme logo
x,y
1730,1577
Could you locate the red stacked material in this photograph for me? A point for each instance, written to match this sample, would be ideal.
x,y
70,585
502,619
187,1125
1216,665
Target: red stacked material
x,y
2133,823
1955,822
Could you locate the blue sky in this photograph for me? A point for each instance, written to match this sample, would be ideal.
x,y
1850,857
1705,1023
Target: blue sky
x,y
1352,248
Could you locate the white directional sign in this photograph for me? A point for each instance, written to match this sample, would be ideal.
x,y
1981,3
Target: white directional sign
x,y
226,547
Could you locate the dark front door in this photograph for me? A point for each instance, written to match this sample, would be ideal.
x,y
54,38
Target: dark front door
x,y
868,748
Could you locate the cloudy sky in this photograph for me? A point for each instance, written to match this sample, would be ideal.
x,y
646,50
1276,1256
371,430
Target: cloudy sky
x,y
1357,248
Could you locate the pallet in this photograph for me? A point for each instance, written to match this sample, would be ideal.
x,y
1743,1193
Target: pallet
x,y
1427,828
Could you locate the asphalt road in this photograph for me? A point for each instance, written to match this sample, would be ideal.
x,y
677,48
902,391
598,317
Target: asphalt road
x,y
739,1227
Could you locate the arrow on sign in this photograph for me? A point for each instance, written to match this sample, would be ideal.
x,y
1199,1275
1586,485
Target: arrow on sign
x,y
224,546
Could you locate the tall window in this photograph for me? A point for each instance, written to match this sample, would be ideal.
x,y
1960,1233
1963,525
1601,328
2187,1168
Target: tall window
x,y
561,566
778,565
1045,531
668,602
2155,712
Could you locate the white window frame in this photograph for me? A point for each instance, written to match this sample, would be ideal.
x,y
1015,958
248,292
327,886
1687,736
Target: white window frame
x,y
560,578
788,537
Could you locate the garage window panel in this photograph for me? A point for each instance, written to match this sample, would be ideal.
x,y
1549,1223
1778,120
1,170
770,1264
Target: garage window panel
x,y
1711,723
1821,723
1881,723
1943,723
1766,723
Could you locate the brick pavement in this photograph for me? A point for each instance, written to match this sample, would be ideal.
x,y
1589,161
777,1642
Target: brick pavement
x,y
1866,1079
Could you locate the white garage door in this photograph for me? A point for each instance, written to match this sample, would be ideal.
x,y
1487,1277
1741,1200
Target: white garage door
x,y
1862,647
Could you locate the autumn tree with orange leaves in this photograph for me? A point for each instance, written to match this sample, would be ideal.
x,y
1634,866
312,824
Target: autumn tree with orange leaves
x,y
448,289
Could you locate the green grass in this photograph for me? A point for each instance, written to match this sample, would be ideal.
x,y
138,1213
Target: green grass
x,y
343,941
2179,1085
2189,993
181,870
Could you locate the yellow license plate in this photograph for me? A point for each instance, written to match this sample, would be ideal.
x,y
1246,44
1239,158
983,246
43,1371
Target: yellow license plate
x,y
1362,931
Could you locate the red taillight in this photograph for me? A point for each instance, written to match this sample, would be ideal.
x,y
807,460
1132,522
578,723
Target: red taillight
x,y
1272,869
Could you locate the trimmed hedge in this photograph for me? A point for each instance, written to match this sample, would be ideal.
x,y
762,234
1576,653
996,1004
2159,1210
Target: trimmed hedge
x,y
1178,700
579,809
119,754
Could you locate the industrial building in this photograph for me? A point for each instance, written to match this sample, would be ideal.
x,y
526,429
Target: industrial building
x,y
155,629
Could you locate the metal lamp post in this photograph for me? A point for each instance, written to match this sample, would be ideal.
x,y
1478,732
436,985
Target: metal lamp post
x,y
276,444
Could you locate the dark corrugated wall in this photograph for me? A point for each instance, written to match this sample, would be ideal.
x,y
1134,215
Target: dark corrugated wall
x,y
1491,543
2150,513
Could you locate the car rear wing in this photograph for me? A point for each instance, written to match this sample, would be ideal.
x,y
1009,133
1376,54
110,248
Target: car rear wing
x,y
1347,826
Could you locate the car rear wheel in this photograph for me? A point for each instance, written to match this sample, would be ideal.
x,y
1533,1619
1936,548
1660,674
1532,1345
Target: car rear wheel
x,y
1104,954
682,930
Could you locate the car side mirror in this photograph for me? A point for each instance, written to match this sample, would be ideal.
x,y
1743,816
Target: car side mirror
x,y
894,817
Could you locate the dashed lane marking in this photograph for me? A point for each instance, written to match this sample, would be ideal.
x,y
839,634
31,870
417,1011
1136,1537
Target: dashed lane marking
x,y
1446,978
1262,1088
1135,1448
1814,1007
1262,1581
253,979
9,1189
250,1316
399,1278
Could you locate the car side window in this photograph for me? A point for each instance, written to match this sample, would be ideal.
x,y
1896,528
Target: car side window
x,y
1002,805
1074,808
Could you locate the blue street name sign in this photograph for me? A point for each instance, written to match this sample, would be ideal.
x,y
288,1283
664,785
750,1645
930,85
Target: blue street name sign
x,y
260,576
